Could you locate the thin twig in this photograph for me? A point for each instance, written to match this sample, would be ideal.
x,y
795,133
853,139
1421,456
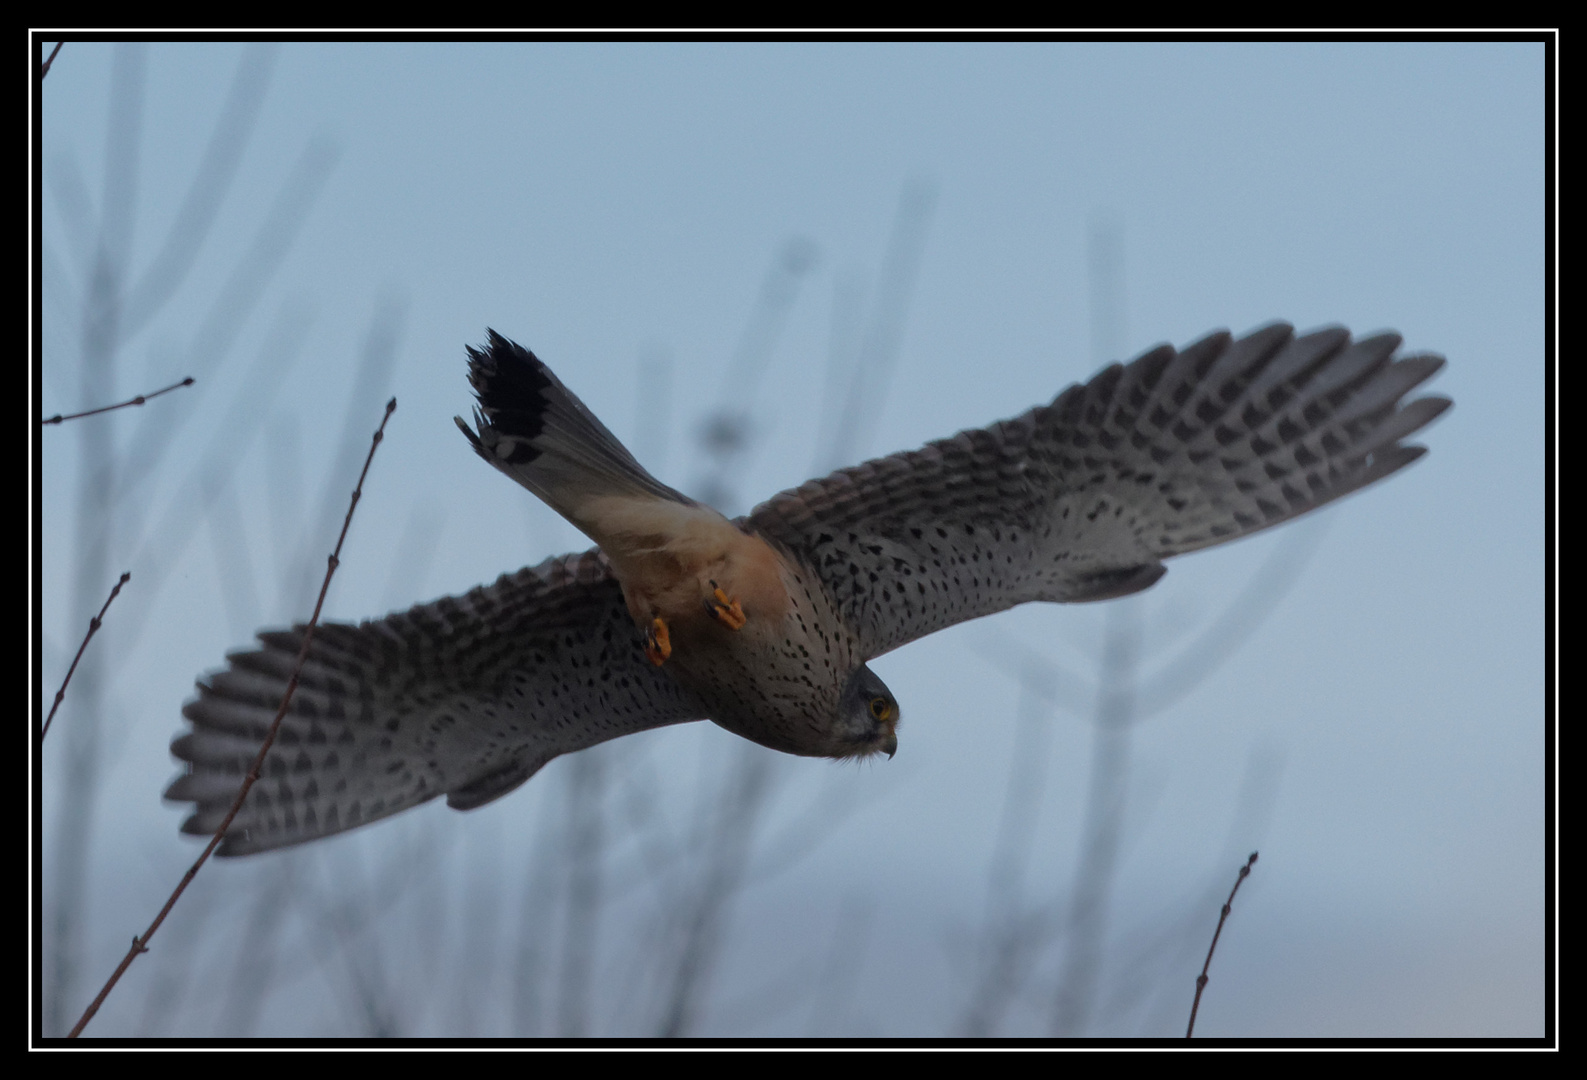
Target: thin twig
x,y
46,69
1201,980
139,400
93,628
140,944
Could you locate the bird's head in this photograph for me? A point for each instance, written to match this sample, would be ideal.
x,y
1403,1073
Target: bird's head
x,y
867,720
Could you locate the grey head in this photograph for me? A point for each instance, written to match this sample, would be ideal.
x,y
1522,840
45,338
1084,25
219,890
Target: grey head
x,y
867,720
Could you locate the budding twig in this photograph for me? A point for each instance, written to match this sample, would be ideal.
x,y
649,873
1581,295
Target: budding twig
x,y
1201,980
141,944
93,628
139,400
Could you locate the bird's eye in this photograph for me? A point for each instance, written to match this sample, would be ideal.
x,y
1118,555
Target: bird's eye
x,y
880,708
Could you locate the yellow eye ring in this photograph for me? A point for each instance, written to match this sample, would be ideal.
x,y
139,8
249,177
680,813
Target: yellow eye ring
x,y
880,708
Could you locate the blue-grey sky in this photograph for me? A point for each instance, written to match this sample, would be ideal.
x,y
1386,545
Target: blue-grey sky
x,y
616,207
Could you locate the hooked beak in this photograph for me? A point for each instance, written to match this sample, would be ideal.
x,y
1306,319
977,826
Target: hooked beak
x,y
889,745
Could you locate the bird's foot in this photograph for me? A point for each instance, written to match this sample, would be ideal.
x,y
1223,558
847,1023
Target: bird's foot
x,y
724,610
658,643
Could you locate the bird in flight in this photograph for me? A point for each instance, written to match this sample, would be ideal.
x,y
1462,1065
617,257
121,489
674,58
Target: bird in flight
x,y
765,624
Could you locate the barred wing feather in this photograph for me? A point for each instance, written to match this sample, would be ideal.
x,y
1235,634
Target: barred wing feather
x,y
467,697
1082,499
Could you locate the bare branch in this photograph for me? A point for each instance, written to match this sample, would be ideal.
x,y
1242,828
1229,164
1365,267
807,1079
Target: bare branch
x,y
239,294
140,944
161,544
212,182
1201,980
726,850
139,400
1007,944
727,434
1106,793
93,628
1035,673
1235,624
878,352
45,70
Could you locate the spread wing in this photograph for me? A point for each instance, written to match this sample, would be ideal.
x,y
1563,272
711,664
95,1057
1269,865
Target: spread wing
x,y
1082,499
467,696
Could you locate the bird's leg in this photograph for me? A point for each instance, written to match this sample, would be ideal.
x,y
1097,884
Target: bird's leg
x,y
658,643
723,609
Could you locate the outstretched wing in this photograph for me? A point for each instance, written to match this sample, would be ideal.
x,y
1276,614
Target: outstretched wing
x,y
467,696
1082,499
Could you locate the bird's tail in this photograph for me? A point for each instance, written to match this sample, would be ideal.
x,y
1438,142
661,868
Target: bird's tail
x,y
535,430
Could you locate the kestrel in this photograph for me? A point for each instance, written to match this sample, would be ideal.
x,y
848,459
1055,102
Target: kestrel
x,y
764,624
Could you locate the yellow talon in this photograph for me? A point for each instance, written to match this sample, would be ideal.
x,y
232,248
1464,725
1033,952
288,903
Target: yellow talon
x,y
726,611
658,643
